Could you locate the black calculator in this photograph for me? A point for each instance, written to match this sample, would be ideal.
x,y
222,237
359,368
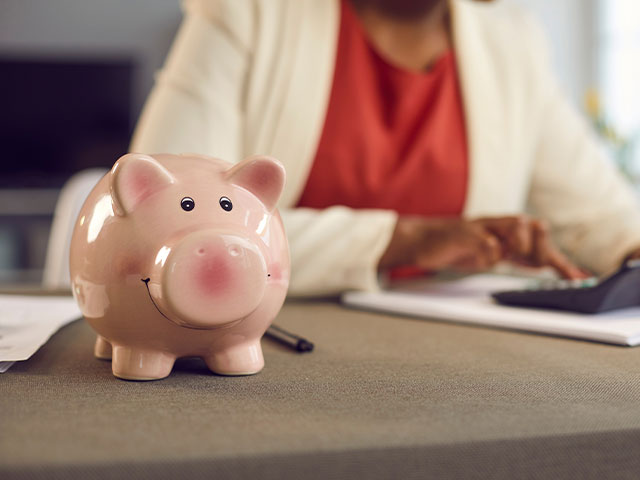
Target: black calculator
x,y
619,290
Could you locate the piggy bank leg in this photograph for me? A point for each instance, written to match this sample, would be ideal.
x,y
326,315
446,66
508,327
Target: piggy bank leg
x,y
102,350
242,359
141,364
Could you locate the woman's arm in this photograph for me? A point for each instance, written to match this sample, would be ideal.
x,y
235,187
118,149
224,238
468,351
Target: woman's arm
x,y
594,212
336,249
196,104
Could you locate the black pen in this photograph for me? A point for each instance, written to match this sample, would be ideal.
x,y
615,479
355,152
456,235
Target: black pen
x,y
289,339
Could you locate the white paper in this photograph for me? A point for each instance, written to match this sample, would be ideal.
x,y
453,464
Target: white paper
x,y
27,322
467,300
4,366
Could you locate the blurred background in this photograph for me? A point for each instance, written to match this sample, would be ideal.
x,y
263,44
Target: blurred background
x,y
74,75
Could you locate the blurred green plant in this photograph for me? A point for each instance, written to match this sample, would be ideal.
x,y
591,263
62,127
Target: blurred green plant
x,y
622,149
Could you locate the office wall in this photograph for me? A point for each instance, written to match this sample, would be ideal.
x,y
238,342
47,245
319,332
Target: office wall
x,y
141,29
570,26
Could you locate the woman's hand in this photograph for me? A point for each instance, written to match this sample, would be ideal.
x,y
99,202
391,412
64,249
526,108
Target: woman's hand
x,y
474,245
633,255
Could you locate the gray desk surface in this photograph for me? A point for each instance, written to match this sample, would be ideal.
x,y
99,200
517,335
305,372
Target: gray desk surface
x,y
380,397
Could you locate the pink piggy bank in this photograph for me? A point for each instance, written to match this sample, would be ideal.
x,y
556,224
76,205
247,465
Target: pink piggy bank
x,y
181,255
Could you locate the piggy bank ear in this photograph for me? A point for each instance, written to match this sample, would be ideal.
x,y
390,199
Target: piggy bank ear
x,y
135,177
262,176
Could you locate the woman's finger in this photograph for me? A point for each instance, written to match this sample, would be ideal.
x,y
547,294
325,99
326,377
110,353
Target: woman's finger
x,y
546,254
514,232
482,251
491,248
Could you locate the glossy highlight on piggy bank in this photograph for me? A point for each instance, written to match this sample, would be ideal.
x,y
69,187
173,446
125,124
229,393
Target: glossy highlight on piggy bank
x,y
178,256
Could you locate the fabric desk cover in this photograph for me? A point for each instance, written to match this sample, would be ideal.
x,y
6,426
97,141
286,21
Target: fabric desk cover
x,y
380,397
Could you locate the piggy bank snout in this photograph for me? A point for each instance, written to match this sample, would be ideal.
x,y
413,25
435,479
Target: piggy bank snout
x,y
233,250
211,278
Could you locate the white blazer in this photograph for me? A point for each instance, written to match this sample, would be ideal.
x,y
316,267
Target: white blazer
x,y
254,77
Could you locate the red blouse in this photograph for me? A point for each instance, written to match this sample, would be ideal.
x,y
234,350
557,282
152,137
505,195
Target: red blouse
x,y
392,138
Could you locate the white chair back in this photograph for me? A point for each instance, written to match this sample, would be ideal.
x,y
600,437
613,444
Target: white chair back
x,y
73,194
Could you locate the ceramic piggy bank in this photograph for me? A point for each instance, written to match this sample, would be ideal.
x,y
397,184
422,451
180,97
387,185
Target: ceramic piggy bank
x,y
181,255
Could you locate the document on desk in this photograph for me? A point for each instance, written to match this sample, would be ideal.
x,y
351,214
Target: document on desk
x,y
467,300
27,322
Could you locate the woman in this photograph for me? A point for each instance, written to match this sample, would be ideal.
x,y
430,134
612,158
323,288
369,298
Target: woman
x,y
413,133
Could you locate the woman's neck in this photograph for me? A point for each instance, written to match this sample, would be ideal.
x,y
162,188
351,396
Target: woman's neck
x,y
411,34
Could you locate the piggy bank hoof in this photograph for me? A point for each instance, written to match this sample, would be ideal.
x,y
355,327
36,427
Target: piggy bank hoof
x,y
239,360
137,364
102,350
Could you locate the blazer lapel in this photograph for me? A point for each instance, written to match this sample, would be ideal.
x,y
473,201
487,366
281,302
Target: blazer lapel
x,y
484,113
298,95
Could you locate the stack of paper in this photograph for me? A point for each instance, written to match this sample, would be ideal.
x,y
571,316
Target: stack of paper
x,y
468,300
27,322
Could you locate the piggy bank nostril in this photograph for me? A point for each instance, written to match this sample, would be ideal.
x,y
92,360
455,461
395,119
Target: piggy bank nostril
x,y
234,251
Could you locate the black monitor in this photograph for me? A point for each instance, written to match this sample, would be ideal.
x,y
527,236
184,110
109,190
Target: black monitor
x,y
59,116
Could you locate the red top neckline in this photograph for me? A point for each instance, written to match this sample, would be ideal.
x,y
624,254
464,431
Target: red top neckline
x,y
393,138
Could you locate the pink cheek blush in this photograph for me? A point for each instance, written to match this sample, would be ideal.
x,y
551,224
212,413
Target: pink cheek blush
x,y
126,266
275,272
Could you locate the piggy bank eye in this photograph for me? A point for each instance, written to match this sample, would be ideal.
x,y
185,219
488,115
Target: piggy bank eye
x,y
187,204
226,204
